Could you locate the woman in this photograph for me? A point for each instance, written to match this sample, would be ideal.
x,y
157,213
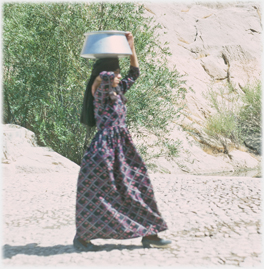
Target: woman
x,y
115,197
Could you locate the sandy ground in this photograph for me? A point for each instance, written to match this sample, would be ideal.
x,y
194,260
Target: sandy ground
x,y
212,221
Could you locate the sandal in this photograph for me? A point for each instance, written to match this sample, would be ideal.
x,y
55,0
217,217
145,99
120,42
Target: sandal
x,y
156,241
83,246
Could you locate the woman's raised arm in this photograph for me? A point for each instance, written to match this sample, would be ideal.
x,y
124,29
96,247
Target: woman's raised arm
x,y
133,57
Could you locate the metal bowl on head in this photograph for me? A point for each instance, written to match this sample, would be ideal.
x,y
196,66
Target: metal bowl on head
x,y
105,44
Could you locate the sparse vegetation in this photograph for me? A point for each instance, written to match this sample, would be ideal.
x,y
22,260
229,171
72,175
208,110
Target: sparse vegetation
x,y
237,116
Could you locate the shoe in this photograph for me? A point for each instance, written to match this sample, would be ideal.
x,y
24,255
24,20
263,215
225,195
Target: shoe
x,y
157,242
89,246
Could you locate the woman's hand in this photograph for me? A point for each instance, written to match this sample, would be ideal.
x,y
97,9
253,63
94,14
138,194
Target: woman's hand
x,y
98,81
130,39
96,84
133,57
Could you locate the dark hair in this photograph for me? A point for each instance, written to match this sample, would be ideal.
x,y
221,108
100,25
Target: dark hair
x,y
105,64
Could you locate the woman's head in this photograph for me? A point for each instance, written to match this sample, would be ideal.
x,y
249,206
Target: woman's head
x,y
108,64
105,64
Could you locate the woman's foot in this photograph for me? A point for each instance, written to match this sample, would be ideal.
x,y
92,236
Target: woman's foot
x,y
82,245
154,240
152,237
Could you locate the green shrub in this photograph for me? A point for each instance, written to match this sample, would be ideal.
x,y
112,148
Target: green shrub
x,y
45,77
237,116
250,112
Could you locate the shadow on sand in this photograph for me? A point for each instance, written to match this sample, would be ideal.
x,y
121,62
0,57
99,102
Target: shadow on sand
x,y
34,249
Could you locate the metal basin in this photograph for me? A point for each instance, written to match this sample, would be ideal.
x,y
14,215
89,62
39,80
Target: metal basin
x,y
105,44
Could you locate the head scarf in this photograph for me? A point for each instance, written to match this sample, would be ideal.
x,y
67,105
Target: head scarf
x,y
105,64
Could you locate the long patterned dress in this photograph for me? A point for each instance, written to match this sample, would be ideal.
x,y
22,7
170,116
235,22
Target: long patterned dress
x,y
115,197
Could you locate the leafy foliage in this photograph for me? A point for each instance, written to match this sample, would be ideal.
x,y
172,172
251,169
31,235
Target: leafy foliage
x,y
45,77
237,116
250,111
